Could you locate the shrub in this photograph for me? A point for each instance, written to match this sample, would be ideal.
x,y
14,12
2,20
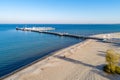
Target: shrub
x,y
109,68
112,59
106,69
117,70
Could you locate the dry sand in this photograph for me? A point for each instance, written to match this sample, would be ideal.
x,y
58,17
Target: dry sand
x,y
83,61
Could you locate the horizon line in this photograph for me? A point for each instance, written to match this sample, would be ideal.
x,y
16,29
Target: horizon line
x,y
59,23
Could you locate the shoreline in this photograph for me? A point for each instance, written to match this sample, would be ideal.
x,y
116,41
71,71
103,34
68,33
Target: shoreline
x,y
42,59
45,60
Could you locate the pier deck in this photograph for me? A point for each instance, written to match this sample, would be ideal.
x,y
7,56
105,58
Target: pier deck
x,y
60,34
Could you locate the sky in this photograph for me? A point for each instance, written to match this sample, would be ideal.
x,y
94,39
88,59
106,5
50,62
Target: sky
x,y
60,11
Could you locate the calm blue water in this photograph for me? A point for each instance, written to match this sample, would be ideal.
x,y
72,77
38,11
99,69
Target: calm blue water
x,y
18,48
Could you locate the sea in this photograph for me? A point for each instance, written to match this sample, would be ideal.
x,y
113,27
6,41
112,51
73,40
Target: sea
x,y
21,48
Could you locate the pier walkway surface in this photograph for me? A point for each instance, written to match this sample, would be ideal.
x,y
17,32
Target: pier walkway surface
x,y
59,34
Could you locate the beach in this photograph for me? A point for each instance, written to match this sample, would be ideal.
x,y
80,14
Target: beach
x,y
82,61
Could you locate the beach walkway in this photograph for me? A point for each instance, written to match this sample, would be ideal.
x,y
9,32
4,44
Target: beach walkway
x,y
83,61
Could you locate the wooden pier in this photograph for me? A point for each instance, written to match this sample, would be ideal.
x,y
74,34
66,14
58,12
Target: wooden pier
x,y
61,34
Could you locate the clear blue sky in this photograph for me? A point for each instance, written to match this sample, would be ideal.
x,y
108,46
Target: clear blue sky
x,y
60,11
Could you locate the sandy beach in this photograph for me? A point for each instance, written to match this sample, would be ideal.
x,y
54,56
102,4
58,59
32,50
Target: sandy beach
x,y
82,61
